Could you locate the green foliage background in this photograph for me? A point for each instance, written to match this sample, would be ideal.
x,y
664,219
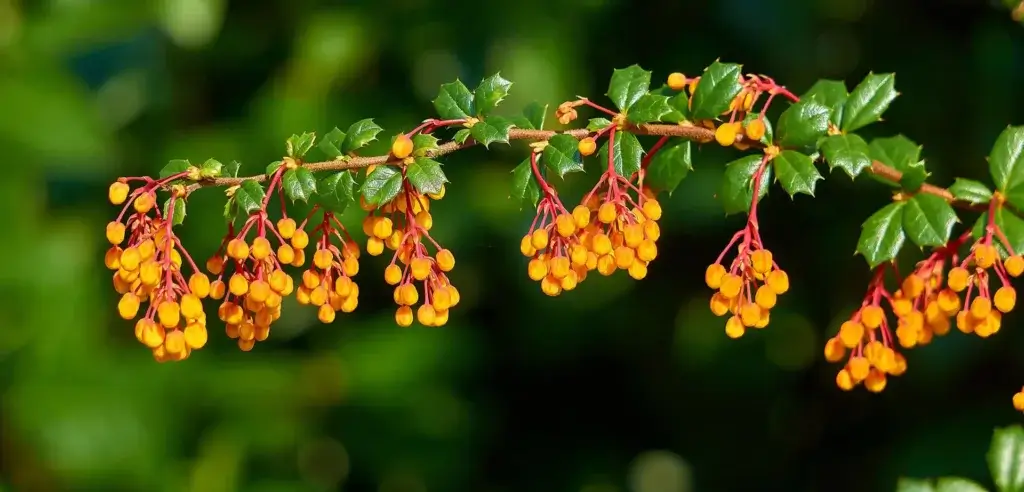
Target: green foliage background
x,y
616,386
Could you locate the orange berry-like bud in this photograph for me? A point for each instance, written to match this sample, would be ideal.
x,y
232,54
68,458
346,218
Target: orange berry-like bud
x,y
238,285
118,192
731,285
875,382
404,316
652,209
326,314
761,261
755,129
581,216
383,227
607,213
872,316
323,258
300,239
859,368
426,315
195,336
445,260
1005,299
169,313
191,307
402,146
913,286
374,246
734,327
844,380
261,248
144,202
851,333
393,274
714,275
539,239
958,279
237,249
565,225
676,81
985,255
1014,265
526,246
420,268
115,232
980,307
128,306
765,297
1018,401
286,228
725,134
778,281
199,284
424,219
587,146
215,265
834,350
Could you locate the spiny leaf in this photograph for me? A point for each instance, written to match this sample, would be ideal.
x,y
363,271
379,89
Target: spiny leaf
x,y
669,166
212,168
650,107
174,166
336,192
562,155
737,189
490,93
491,129
626,154
717,87
524,185
628,85
832,94
1006,164
179,211
868,101
298,184
423,144
532,117
230,170
898,152
461,136
598,124
274,166
970,191
454,102
331,144
848,152
249,196
882,236
802,124
796,172
360,134
426,175
298,145
382,185
928,220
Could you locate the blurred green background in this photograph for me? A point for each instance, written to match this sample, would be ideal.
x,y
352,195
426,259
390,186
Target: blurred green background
x,y
617,386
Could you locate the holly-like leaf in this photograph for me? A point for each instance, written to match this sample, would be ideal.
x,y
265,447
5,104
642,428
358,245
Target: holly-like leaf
x,y
679,103
650,107
928,220
524,185
796,172
669,166
461,136
298,145
359,134
1006,458
454,102
249,196
628,85
179,211
1008,222
562,155
802,124
882,236
898,152
868,101
423,144
274,166
717,87
598,124
914,177
490,93
230,170
174,166
332,142
532,117
336,192
426,175
958,484
830,93
298,184
970,191
626,154
1006,164
211,168
737,190
848,152
914,485
491,129
382,185
769,132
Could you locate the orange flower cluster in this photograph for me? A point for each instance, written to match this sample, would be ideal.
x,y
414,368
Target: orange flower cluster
x,y
328,283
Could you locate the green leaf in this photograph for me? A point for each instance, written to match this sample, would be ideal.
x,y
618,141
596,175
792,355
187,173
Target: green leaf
x,y
331,144
336,191
174,166
598,124
626,154
737,189
211,168
628,85
230,210
796,172
868,101
882,236
360,133
970,191
461,136
535,113
491,129
1006,458
914,177
679,104
650,107
562,155
382,185
832,94
802,124
958,484
769,132
669,166
249,196
914,485
274,166
490,93
454,102
717,87
230,170
847,152
524,185
298,184
426,175
298,145
1006,164
928,220
1008,222
179,211
423,144
897,151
